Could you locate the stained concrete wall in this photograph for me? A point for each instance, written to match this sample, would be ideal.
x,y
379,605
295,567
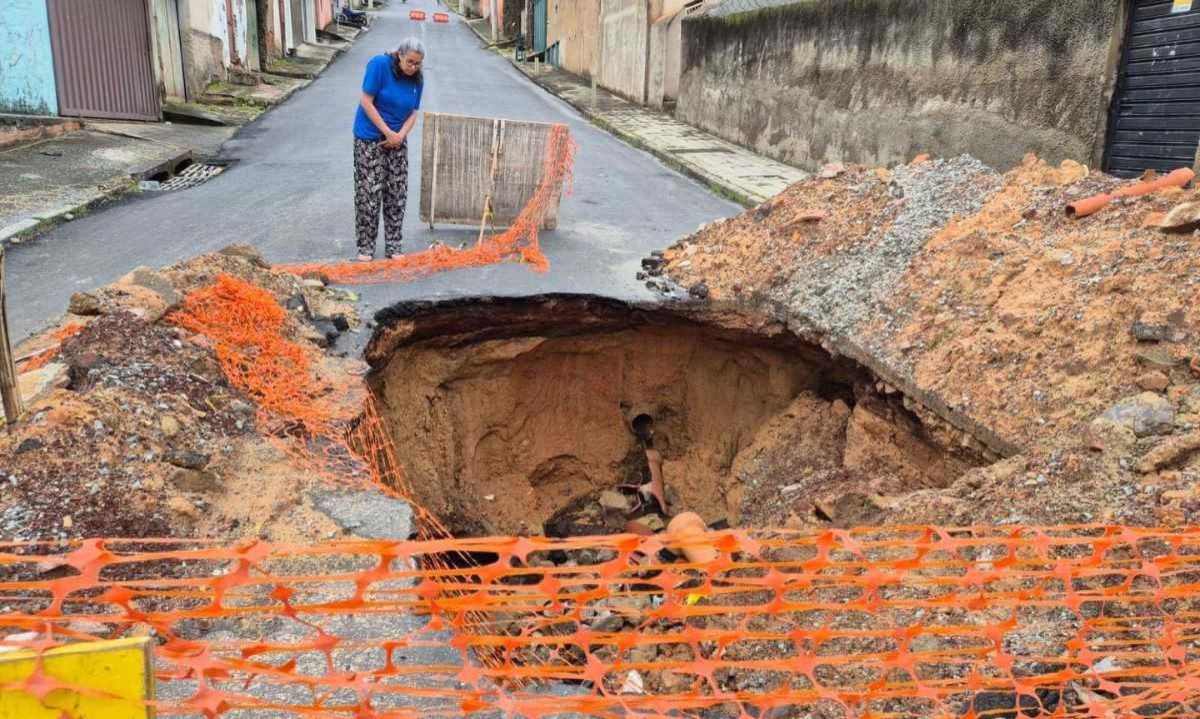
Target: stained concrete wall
x,y
878,81
623,56
26,62
208,49
575,26
666,55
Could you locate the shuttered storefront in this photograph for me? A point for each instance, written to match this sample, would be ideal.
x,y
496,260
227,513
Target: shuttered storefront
x,y
102,59
1155,120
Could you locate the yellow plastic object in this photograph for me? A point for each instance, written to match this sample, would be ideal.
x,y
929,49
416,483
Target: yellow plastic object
x,y
104,680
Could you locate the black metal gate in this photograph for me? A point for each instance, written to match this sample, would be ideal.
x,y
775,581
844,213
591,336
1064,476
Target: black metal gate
x,y
1155,121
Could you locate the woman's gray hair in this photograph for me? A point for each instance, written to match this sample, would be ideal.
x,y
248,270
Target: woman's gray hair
x,y
410,44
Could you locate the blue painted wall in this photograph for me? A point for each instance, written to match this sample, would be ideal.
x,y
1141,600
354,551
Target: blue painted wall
x,y
26,62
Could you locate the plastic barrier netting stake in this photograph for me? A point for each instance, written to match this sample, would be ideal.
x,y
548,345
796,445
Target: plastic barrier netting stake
x,y
518,243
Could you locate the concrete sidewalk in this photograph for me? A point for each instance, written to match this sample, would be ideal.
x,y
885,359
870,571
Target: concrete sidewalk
x,y
64,177
738,173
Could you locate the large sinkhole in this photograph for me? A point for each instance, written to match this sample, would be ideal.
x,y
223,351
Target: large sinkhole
x,y
554,414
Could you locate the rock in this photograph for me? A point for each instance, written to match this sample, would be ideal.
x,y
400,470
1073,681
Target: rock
x,y
1170,452
653,522
245,252
314,283
156,282
29,445
182,507
169,425
633,684
652,263
1154,381
1157,357
327,333
763,211
699,291
190,480
237,406
35,383
84,304
609,623
68,522
832,170
1194,364
298,302
673,682
1146,332
187,459
341,323
1146,414
1182,218
90,628
643,654
614,501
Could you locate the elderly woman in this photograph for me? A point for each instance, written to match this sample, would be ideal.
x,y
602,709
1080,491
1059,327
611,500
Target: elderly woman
x,y
387,111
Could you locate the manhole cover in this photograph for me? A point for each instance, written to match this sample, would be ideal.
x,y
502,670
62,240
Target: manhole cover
x,y
190,176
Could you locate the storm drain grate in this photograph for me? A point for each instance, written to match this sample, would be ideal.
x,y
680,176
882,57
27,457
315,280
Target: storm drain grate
x,y
190,176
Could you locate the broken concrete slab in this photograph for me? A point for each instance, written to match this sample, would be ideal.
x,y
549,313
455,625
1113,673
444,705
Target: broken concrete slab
x,y
17,229
35,383
155,282
370,514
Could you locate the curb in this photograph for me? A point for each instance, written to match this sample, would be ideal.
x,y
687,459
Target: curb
x,y
22,230
123,185
666,157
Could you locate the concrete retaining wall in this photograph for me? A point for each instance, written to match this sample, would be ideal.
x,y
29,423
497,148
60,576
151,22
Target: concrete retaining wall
x,y
666,54
26,61
575,26
879,81
624,55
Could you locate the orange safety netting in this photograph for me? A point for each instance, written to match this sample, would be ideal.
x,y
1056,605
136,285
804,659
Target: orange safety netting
x,y
518,243
903,622
889,622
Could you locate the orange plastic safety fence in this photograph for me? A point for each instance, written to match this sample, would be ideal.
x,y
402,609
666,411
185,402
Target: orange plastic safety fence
x,y
904,622
518,243
1073,622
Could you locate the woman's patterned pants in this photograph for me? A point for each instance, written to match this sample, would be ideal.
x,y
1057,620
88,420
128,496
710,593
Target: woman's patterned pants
x,y
380,175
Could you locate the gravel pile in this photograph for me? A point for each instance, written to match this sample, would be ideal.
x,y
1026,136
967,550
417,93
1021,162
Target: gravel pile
x,y
832,294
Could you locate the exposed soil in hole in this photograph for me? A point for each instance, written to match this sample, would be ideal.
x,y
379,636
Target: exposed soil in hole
x,y
507,412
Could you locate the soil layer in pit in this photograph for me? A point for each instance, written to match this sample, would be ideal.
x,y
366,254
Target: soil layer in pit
x,y
505,411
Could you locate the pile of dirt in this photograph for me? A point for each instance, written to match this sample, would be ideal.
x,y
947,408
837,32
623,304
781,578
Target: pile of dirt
x,y
133,430
976,297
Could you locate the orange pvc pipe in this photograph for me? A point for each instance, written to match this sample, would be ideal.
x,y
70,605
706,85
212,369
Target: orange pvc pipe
x,y
1175,178
1090,205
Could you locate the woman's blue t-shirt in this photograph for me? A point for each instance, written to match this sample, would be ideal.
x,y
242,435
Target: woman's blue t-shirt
x,y
395,99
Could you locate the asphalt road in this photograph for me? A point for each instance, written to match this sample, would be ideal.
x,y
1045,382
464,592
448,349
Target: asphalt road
x,y
290,193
